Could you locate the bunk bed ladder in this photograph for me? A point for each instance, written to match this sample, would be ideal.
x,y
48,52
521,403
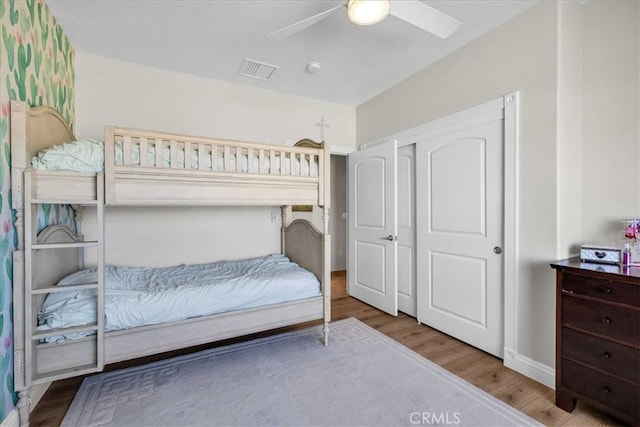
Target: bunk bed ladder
x,y
35,291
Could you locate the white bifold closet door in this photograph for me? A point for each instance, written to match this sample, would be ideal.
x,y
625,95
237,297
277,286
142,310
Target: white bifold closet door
x,y
459,200
373,245
406,220
426,226
382,227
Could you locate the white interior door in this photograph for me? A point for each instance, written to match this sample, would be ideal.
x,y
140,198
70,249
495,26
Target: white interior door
x,y
459,204
373,242
406,230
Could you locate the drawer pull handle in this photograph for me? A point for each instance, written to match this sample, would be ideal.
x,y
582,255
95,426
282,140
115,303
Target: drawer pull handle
x,y
604,290
606,389
606,321
606,355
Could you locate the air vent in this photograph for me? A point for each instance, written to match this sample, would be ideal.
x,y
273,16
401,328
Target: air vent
x,y
256,69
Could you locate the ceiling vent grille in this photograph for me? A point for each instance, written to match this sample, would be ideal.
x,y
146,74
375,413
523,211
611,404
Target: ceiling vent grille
x,y
256,69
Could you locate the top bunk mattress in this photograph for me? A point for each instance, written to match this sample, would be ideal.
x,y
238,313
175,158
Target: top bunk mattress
x,y
87,155
138,296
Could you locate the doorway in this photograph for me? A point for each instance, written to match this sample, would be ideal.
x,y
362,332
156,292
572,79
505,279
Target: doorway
x,y
338,225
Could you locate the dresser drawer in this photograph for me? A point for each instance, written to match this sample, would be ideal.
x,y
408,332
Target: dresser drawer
x,y
615,393
606,355
603,319
608,290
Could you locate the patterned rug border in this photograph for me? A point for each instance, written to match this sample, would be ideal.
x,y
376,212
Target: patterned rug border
x,y
490,402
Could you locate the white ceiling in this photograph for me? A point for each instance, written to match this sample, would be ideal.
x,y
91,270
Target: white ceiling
x,y
211,38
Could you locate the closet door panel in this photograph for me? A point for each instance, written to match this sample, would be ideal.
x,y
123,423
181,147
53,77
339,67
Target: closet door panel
x,y
459,201
372,227
406,230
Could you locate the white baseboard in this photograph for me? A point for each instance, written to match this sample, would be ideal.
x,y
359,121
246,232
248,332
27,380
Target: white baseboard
x,y
12,420
37,391
530,368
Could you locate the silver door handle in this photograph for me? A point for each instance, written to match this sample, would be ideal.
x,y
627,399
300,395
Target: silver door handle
x,y
390,238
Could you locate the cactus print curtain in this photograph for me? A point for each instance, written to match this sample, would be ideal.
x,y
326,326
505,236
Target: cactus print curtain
x,y
36,66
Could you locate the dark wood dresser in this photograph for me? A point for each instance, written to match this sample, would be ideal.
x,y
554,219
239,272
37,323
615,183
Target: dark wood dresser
x,y
598,337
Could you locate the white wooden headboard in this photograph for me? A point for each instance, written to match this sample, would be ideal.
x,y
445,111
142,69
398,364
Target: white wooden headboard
x,y
34,129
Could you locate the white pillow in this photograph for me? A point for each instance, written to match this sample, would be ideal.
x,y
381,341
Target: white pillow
x,y
83,155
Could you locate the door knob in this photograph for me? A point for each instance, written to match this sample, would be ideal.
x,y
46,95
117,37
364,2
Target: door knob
x,y
497,250
390,238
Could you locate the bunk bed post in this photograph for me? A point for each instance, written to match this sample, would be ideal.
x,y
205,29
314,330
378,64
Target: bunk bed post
x,y
18,132
19,159
109,164
284,210
326,190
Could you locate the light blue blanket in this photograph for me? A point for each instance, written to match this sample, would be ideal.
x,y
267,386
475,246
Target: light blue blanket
x,y
137,296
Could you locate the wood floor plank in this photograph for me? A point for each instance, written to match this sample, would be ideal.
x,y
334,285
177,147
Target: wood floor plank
x,y
479,368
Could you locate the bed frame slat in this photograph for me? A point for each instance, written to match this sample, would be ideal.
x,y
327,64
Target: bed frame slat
x,y
272,162
201,155
250,166
261,167
238,159
159,150
174,153
126,150
143,151
187,155
227,158
215,154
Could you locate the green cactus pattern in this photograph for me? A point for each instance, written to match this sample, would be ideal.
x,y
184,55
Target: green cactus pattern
x,y
37,57
36,66
9,45
13,13
31,7
20,73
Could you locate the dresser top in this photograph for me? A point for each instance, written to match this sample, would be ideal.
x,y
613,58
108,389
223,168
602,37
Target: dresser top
x,y
615,269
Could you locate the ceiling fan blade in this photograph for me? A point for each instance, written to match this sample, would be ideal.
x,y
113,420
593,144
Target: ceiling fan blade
x,y
289,30
424,16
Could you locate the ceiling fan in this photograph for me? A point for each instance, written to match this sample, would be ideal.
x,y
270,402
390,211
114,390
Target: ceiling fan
x,y
369,12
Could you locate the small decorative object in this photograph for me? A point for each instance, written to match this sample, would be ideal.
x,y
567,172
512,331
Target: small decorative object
x,y
600,254
626,255
632,230
631,241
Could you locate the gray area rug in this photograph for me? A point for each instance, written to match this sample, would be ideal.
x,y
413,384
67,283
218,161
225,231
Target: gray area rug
x,y
363,378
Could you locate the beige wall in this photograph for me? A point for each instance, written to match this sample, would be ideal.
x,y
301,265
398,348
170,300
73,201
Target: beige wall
x,y
569,132
131,95
577,71
611,111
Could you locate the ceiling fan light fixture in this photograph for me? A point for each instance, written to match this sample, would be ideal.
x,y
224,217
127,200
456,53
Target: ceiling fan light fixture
x,y
367,12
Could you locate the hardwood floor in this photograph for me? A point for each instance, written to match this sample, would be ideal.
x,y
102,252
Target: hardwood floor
x,y
473,365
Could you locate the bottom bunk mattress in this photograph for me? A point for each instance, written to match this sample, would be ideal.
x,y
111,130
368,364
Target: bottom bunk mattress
x,y
138,296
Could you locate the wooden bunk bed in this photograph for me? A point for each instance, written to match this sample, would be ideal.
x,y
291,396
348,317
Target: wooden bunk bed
x,y
168,169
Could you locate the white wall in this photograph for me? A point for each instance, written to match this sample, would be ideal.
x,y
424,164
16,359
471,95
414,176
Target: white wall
x,y
578,72
111,92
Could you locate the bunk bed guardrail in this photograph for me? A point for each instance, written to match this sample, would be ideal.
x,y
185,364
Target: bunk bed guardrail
x,y
197,170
